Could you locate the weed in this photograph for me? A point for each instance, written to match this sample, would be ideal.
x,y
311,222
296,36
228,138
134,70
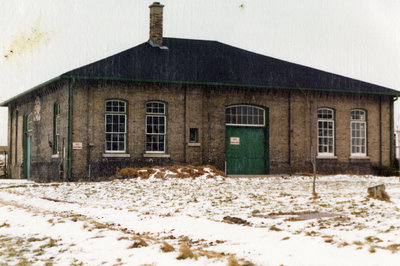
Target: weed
x,y
372,239
311,233
184,239
138,243
389,229
232,261
343,244
393,248
50,244
358,243
185,252
5,225
35,239
293,219
274,228
167,247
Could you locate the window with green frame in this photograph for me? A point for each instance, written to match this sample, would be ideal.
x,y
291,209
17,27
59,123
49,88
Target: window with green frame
x,y
56,128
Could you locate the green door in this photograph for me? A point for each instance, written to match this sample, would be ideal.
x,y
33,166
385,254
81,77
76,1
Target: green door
x,y
246,143
27,141
245,150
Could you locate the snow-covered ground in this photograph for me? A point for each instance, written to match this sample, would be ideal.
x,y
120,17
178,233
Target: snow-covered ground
x,y
135,222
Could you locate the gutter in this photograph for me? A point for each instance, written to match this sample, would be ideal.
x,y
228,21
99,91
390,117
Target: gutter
x,y
70,117
392,131
5,103
396,94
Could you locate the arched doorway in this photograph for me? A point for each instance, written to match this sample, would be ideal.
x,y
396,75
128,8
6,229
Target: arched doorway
x,y
246,142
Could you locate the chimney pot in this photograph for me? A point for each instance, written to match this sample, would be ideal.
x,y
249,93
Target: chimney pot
x,y
156,23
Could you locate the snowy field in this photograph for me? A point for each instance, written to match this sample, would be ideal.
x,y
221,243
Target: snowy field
x,y
181,222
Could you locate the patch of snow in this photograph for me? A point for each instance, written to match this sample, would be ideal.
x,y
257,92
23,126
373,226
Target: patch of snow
x,y
86,219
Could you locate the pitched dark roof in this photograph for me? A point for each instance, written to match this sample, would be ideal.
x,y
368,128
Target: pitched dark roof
x,y
211,62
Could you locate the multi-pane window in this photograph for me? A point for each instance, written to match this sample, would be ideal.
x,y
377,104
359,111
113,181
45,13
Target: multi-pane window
x,y
156,127
358,127
245,115
115,126
56,128
326,131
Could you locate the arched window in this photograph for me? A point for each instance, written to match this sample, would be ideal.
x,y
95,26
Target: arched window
x,y
358,128
156,127
245,115
115,126
326,131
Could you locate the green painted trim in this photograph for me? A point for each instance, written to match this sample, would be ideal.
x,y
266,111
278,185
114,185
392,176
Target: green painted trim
x,y
56,111
229,85
24,144
266,133
70,117
391,133
5,103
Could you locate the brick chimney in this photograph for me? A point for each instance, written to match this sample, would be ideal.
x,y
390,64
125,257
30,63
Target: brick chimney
x,y
156,24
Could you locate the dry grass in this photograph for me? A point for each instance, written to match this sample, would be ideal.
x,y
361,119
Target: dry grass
x,y
274,228
393,248
175,171
5,225
232,262
166,247
185,252
138,243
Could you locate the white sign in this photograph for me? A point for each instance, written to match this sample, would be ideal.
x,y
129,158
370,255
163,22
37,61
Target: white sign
x,y
235,141
77,145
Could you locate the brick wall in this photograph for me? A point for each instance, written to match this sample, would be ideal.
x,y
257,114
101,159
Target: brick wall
x,y
290,144
44,165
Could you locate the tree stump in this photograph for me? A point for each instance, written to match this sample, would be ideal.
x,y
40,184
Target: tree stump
x,y
378,192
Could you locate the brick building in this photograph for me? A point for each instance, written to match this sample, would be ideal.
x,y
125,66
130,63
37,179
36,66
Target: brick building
x,y
182,101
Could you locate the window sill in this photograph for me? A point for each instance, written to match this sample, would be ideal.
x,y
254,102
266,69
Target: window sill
x,y
329,157
194,144
116,155
55,156
358,157
156,155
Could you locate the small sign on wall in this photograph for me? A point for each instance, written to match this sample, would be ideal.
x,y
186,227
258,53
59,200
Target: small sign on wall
x,y
77,145
235,141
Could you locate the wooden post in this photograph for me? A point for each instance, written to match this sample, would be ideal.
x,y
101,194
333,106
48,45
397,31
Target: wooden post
x,y
314,193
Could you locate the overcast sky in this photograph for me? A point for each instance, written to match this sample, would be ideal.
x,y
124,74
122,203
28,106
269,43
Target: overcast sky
x,y
41,39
